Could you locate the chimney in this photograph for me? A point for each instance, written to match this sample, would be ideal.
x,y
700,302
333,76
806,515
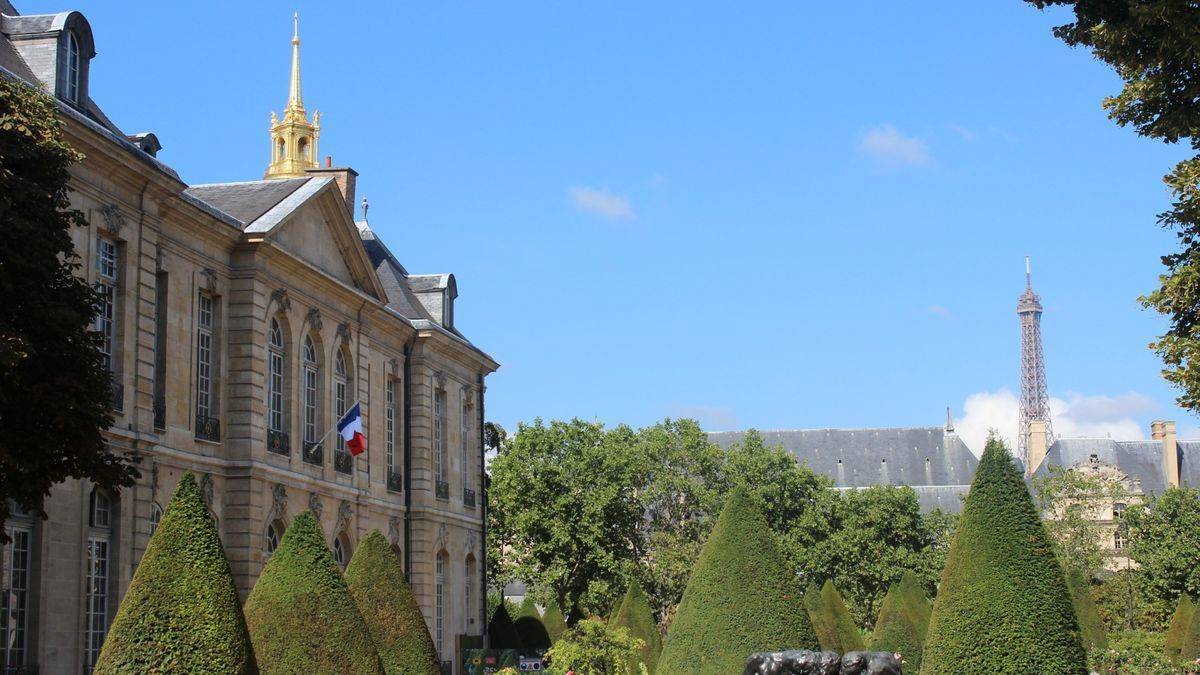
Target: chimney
x,y
1037,445
1165,431
344,176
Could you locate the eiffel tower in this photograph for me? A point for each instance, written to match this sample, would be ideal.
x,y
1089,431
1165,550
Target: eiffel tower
x,y
1035,402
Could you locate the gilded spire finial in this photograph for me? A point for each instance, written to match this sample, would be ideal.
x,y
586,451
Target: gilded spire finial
x,y
295,96
294,138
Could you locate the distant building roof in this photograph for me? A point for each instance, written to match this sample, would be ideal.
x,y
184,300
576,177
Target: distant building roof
x,y
1141,459
246,201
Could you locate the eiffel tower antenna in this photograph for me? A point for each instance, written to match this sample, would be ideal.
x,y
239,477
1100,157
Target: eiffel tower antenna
x,y
1035,402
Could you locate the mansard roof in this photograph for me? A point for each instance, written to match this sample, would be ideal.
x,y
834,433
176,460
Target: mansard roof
x,y
1142,460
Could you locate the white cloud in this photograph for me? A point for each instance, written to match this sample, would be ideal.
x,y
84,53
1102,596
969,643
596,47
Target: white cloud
x,y
963,132
711,418
1075,416
889,145
600,202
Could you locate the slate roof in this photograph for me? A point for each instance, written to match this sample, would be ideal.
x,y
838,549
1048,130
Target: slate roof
x,y
1142,460
246,201
392,275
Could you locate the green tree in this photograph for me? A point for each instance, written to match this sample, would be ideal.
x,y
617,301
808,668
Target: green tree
x,y
595,648
1072,503
1177,631
53,377
553,619
1003,605
635,615
301,615
1164,539
1091,628
376,580
1151,46
563,512
181,613
903,621
835,628
740,599
502,633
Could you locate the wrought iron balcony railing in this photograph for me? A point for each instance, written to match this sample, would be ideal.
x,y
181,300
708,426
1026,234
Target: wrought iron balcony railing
x,y
160,413
313,454
441,489
208,428
343,462
468,498
395,482
278,442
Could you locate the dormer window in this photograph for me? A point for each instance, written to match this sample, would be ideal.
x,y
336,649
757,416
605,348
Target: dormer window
x,y
73,69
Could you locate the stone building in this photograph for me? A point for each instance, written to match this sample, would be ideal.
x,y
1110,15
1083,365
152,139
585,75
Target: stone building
x,y
241,320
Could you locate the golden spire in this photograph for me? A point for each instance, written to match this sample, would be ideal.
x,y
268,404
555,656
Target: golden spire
x,y
294,138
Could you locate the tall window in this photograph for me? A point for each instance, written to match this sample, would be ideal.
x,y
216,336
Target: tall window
x,y
14,624
440,620
469,594
439,436
467,458
340,381
96,603
1120,538
310,391
156,514
275,378
389,432
339,552
160,350
106,284
204,357
73,68
1119,511
273,534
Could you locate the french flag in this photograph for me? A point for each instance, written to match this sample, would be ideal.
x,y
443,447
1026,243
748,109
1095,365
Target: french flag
x,y
350,427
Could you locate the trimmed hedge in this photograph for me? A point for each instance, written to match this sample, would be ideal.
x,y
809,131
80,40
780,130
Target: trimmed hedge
x,y
528,608
903,620
532,633
812,606
301,615
377,584
502,633
636,615
740,599
1189,648
835,628
553,619
1091,628
1180,621
1003,605
181,613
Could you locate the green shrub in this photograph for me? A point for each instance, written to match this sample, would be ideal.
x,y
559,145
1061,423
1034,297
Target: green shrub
x,y
812,607
553,619
903,620
532,633
845,631
502,633
181,613
1003,605
740,599
1135,652
1180,620
594,648
1091,629
635,614
301,615
527,608
376,582
1189,648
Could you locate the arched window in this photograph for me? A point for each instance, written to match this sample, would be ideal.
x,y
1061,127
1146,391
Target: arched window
x,y
469,592
275,371
95,627
274,533
282,149
302,149
341,386
73,69
156,514
440,590
439,444
310,393
341,551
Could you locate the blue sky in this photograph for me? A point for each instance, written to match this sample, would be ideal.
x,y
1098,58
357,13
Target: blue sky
x,y
773,215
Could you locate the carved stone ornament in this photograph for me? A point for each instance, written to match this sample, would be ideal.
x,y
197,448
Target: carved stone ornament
x,y
314,505
343,332
468,396
206,489
113,219
471,541
313,318
278,501
439,380
208,279
280,297
394,530
345,515
393,368
442,537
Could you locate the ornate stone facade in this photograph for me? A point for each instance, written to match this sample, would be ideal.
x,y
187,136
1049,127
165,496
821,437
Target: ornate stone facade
x,y
245,317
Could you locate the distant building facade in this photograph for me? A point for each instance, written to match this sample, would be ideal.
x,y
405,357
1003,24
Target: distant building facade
x,y
240,321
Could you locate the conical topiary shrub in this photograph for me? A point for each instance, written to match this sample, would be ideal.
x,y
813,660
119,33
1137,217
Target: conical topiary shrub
x,y
301,615
1003,605
376,581
502,634
530,629
835,628
1189,647
903,620
528,608
740,599
635,615
1177,630
181,613
1091,628
554,621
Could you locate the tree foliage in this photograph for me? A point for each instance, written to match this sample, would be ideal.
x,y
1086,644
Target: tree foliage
x,y
1003,605
1164,539
53,377
1151,44
376,580
554,622
1176,633
740,599
1073,503
903,621
635,615
301,615
595,648
1091,628
181,613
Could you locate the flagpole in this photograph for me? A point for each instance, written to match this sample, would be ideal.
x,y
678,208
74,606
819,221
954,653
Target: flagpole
x,y
335,424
